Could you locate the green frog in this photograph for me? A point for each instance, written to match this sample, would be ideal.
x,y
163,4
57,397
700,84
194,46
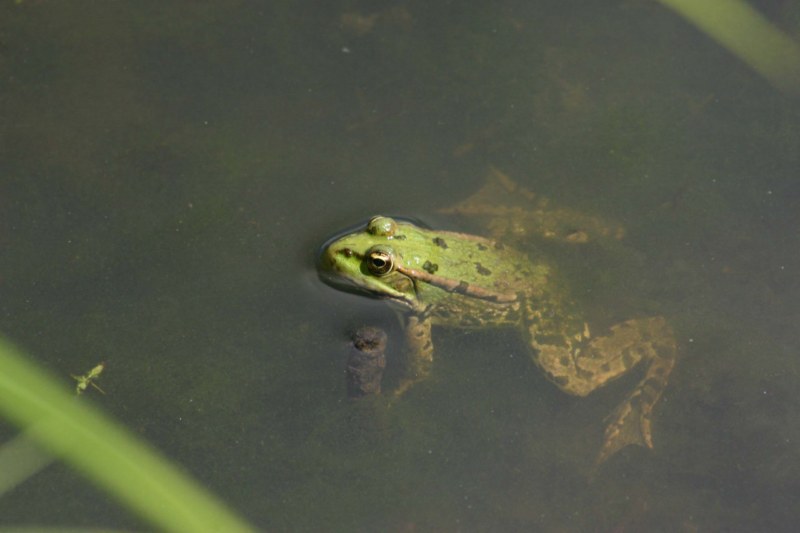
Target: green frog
x,y
457,280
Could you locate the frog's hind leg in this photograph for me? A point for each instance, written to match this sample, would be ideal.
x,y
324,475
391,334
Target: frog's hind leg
x,y
420,352
583,366
630,422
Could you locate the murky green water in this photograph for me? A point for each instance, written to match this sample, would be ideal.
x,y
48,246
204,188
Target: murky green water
x,y
168,171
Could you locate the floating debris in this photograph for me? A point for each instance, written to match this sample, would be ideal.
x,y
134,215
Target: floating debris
x,y
366,362
89,379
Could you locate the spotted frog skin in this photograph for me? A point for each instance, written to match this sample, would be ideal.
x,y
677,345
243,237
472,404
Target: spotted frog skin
x,y
442,278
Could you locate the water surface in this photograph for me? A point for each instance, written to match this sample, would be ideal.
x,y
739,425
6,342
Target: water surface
x,y
168,172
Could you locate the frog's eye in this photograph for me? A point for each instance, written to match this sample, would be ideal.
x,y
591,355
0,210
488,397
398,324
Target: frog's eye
x,y
382,226
380,260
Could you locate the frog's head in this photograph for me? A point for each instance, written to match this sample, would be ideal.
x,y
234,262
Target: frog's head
x,y
366,262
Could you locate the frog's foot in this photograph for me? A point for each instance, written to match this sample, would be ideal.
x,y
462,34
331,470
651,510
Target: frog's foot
x,y
630,422
512,212
582,368
404,386
418,371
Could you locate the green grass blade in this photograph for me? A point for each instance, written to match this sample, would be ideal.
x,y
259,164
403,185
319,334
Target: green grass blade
x,y
105,452
747,34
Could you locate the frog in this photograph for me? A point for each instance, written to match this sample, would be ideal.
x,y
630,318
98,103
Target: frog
x,y
450,279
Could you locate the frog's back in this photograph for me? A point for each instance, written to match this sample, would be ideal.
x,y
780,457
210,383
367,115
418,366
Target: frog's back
x,y
488,268
487,263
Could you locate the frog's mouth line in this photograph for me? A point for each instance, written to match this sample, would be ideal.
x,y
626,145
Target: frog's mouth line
x,y
377,291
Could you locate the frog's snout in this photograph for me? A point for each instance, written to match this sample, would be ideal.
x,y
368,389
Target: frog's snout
x,y
326,264
332,266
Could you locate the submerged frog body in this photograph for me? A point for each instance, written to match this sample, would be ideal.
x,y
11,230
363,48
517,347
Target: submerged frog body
x,y
442,278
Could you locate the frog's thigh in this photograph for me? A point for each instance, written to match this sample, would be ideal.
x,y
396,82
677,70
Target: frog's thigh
x,y
580,369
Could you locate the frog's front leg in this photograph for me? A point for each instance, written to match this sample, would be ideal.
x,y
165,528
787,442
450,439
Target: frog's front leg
x,y
419,348
580,366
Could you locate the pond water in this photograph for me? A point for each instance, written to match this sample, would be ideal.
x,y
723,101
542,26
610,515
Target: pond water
x,y
170,170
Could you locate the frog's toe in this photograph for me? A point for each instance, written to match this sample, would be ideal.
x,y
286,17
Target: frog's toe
x,y
403,387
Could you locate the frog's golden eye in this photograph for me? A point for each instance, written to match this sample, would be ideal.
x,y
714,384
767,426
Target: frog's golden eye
x,y
382,226
380,260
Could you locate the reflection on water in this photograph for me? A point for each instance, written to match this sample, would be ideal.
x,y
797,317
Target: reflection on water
x,y
165,187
